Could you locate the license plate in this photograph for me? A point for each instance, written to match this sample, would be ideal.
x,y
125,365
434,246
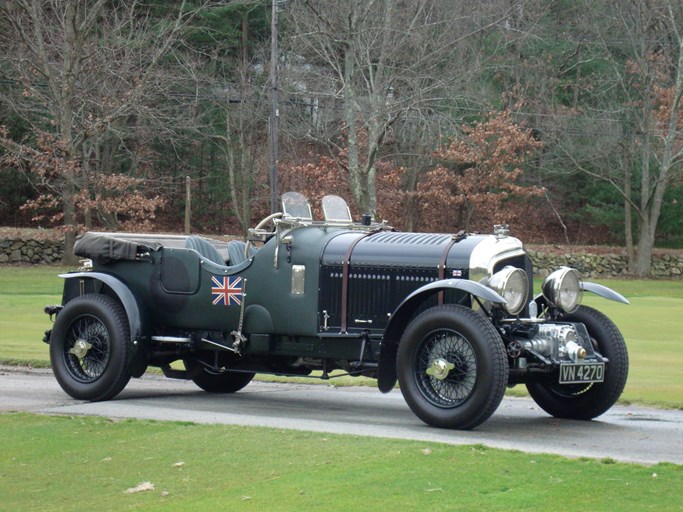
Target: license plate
x,y
581,373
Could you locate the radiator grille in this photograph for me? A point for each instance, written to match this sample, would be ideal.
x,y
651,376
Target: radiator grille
x,y
373,294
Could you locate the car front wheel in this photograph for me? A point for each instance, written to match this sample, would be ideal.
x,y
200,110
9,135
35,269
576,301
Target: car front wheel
x,y
90,348
587,401
452,367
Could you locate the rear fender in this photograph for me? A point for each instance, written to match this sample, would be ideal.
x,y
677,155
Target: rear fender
x,y
123,294
403,314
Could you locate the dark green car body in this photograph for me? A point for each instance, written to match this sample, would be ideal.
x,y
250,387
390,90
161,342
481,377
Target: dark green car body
x,y
426,309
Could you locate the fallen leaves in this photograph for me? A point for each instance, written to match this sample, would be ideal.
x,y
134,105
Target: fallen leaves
x,y
144,486
148,486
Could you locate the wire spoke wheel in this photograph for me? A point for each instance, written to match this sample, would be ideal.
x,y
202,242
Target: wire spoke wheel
x,y
452,367
87,348
90,347
446,369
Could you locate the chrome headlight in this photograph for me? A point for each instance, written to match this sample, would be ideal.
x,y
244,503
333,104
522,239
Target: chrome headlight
x,y
513,285
563,289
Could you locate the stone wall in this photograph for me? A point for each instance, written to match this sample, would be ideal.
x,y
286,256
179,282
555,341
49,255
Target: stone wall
x,y
20,250
27,250
604,265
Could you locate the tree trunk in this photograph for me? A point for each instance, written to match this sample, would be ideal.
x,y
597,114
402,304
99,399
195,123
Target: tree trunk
x,y
68,258
355,177
411,205
644,251
628,198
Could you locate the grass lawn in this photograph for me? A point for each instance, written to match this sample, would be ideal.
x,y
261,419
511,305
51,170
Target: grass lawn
x,y
24,292
651,326
83,463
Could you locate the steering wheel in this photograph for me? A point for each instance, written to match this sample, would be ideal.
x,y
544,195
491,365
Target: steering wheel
x,y
259,231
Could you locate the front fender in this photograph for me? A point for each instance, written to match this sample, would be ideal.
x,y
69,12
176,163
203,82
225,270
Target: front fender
x,y
122,292
404,312
605,292
595,288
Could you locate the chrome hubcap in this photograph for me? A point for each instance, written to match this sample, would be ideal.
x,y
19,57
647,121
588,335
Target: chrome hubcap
x,y
80,348
440,369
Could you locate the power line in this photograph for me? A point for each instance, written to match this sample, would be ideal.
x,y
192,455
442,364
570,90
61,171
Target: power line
x,y
582,118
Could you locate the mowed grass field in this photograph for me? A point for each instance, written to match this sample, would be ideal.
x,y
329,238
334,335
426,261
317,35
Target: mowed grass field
x,y
653,328
24,292
652,325
83,463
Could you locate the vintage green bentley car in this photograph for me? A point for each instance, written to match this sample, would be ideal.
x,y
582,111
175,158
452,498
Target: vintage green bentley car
x,y
452,318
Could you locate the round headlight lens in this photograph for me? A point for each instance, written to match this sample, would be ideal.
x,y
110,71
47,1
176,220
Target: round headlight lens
x,y
513,285
563,289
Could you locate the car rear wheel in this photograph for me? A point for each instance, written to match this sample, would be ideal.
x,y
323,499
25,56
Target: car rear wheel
x,y
587,401
452,367
90,348
215,382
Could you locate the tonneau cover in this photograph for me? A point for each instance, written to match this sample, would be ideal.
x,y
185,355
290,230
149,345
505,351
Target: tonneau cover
x,y
104,248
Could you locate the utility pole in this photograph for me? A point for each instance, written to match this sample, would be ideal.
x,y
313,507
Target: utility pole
x,y
188,203
275,110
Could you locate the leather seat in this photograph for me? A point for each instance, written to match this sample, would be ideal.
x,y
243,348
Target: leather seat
x,y
205,249
236,252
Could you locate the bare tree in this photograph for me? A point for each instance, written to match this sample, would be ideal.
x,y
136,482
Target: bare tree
x,y
661,116
93,73
606,100
244,109
359,66
648,144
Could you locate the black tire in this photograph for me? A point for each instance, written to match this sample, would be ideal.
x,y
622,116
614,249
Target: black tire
x,y
587,401
90,348
465,395
212,382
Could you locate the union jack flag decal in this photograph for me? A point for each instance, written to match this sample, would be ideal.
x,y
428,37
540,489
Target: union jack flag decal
x,y
226,291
